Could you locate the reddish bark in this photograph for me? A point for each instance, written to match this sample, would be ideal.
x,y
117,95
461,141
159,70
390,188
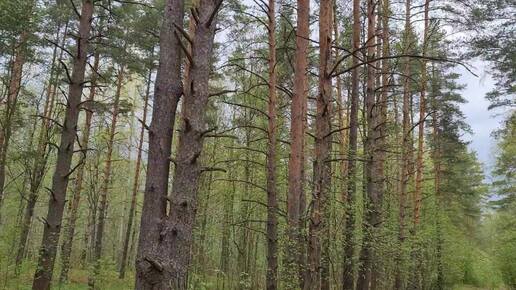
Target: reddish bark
x,y
296,160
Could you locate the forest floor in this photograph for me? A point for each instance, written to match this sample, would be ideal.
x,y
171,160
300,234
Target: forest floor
x,y
468,287
78,281
108,280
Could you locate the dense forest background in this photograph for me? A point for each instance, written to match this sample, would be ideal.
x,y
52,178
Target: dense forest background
x,y
258,144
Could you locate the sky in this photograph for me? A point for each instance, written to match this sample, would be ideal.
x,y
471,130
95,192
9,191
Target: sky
x,y
482,121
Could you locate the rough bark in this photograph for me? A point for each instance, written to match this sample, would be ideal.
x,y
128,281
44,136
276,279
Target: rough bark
x,y
317,222
37,173
66,247
164,264
295,164
347,276
136,182
52,226
167,91
272,198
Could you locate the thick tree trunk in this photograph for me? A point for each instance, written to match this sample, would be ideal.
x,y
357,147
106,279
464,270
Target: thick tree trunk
x,y
103,202
317,222
66,248
165,240
167,91
347,276
272,198
57,198
295,164
136,182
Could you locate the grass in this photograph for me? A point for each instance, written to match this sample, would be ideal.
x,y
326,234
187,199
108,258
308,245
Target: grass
x,y
78,280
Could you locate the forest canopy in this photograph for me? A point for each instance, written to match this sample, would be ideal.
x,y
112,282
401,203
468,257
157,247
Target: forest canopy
x,y
255,144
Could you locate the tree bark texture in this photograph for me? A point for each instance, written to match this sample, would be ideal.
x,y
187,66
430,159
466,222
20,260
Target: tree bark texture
x,y
296,160
164,264
66,248
52,226
272,198
167,91
317,222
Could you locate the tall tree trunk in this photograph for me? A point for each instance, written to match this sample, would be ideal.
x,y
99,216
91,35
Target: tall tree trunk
x,y
421,124
372,199
164,264
136,183
40,161
342,117
295,164
272,199
13,90
405,150
416,279
437,187
322,151
66,248
347,276
167,91
329,197
103,202
56,203
386,85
